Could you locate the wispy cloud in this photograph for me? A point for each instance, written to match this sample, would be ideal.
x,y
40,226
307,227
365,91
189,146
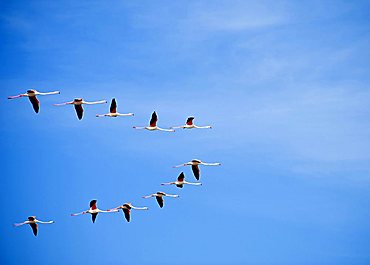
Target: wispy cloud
x,y
236,16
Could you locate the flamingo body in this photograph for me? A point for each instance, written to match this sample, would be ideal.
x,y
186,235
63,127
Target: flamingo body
x,y
78,102
126,209
153,125
113,111
195,166
94,211
190,125
181,181
33,222
159,197
31,94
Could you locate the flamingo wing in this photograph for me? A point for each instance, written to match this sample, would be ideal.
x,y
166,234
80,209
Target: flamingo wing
x,y
126,212
189,121
35,103
93,204
180,185
159,200
113,106
31,218
34,227
153,120
181,177
196,171
93,217
79,111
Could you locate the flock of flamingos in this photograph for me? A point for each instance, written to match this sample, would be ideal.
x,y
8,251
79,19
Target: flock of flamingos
x,y
126,207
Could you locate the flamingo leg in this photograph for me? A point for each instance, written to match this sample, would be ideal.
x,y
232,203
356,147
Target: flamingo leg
x,y
211,164
48,93
173,196
165,130
139,208
42,222
94,102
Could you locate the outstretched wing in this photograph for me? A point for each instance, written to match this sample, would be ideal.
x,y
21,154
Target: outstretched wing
x,y
196,171
189,121
93,217
34,227
181,177
126,213
113,106
93,204
153,120
35,103
159,200
79,111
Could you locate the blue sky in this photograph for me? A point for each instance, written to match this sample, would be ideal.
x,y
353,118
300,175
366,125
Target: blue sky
x,y
285,85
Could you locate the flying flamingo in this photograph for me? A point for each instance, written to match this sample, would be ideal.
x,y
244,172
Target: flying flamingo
x,y
190,125
78,105
195,166
126,208
181,181
153,125
94,211
159,197
113,111
32,221
31,94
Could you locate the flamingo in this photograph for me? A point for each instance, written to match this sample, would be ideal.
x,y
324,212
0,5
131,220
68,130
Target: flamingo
x,y
78,105
181,181
195,166
153,124
31,94
94,211
32,221
159,197
126,208
113,111
190,125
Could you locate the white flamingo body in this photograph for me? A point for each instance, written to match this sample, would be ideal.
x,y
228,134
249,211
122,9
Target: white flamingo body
x,y
32,221
180,182
113,111
78,102
195,166
94,210
114,115
196,162
126,209
159,197
31,94
153,125
190,125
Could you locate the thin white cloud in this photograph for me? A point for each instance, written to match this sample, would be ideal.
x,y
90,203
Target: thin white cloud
x,y
236,16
